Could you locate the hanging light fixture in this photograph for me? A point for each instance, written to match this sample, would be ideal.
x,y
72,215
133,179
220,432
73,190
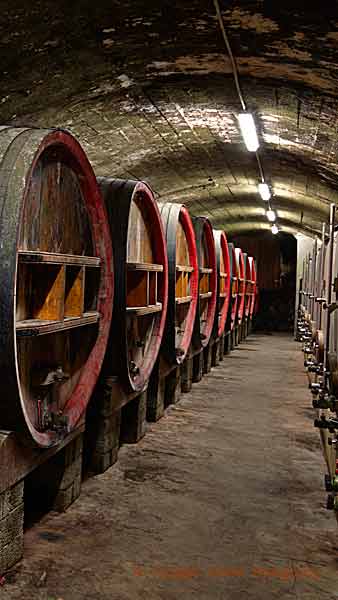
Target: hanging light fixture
x,y
271,215
248,129
264,191
274,229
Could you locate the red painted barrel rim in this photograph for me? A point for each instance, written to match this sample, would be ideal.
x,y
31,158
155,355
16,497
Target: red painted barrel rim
x,y
241,282
248,286
188,227
76,405
160,250
224,313
254,285
213,282
235,285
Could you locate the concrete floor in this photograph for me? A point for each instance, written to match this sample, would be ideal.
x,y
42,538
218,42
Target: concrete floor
x,y
223,499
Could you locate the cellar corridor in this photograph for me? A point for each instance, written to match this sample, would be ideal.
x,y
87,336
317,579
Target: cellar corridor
x,y
222,499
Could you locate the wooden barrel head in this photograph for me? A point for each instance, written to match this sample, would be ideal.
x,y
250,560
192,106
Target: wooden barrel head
x,y
141,280
241,284
56,297
233,288
206,305
223,281
183,281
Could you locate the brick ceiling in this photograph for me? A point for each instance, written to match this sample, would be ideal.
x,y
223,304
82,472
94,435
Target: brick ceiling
x,y
147,88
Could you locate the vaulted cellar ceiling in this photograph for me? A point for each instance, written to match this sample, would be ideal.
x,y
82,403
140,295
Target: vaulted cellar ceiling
x,y
148,89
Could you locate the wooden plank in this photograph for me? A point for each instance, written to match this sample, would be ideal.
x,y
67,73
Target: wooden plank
x,y
30,256
47,293
138,266
139,311
183,300
152,299
184,268
74,294
137,288
205,270
33,327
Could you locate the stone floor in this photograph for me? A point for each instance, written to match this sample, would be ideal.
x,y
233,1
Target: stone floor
x,y
223,499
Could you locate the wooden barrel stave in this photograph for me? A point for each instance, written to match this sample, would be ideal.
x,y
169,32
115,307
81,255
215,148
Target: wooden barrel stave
x,y
223,282
206,304
141,281
182,281
241,284
38,337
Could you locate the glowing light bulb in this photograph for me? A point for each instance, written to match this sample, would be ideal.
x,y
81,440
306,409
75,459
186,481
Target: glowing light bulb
x,y
264,191
271,215
248,129
274,229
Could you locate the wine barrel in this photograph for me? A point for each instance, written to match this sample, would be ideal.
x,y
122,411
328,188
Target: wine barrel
x,y
247,282
223,281
241,284
182,283
207,285
233,288
253,285
141,280
55,293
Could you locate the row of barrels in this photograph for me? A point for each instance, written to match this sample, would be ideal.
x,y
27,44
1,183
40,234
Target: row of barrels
x,y
95,276
317,329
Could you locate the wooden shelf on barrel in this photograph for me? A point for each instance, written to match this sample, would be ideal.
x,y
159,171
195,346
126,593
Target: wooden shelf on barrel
x,y
182,294
222,279
142,288
56,292
205,292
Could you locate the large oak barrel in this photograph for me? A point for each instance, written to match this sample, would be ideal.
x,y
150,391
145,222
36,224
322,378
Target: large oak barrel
x,y
55,293
207,286
223,281
241,284
233,288
141,280
183,281
253,285
249,284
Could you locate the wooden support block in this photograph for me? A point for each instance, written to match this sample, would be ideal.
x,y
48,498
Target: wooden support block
x,y
70,461
215,353
11,526
172,387
133,419
102,434
207,358
197,367
227,343
186,375
221,348
156,395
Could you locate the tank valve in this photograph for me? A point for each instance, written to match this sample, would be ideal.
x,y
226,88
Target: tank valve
x,y
133,368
